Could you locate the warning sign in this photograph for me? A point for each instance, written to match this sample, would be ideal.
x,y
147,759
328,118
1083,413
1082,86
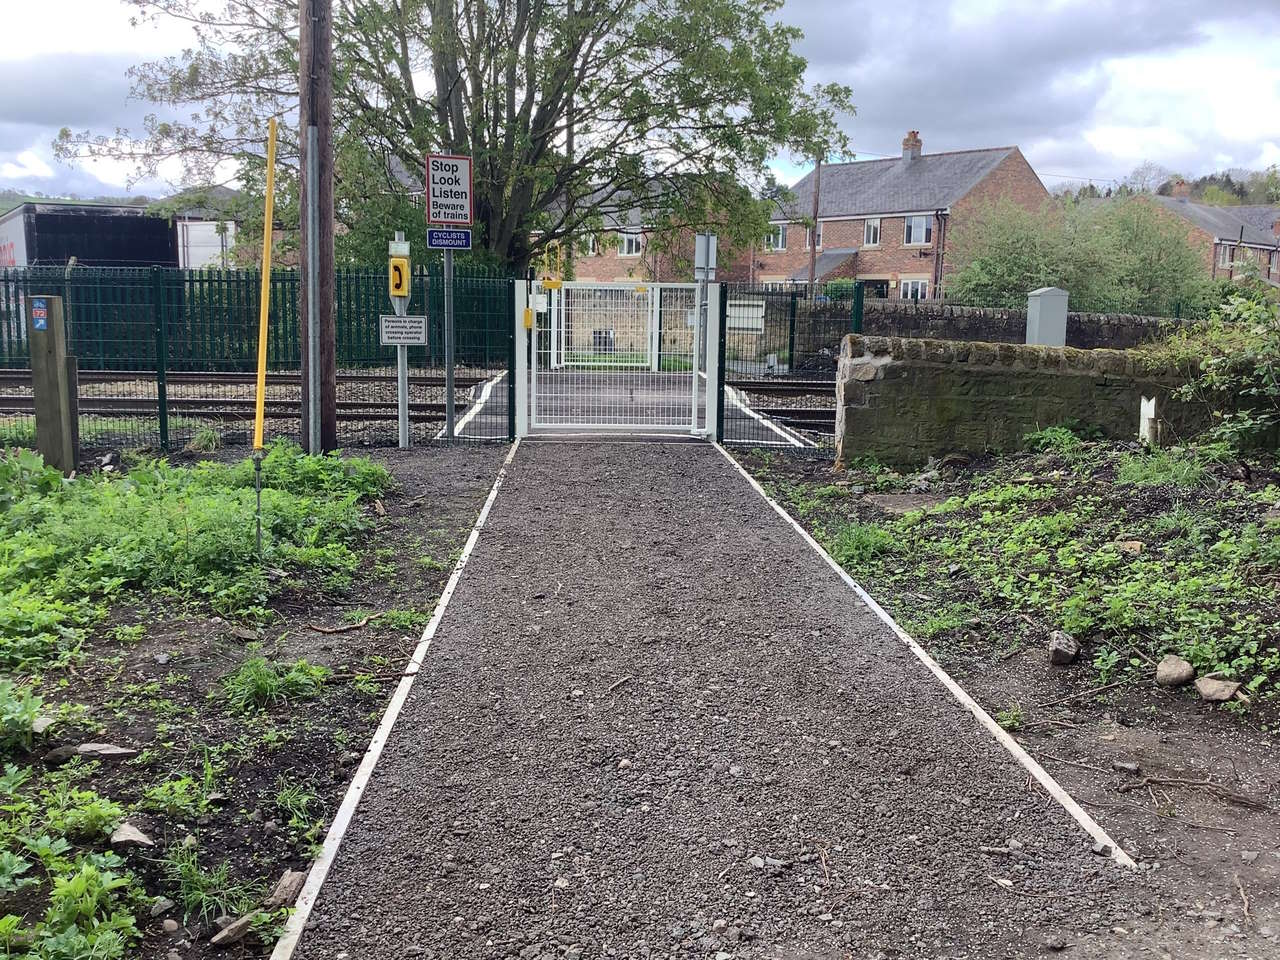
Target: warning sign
x,y
448,190
403,331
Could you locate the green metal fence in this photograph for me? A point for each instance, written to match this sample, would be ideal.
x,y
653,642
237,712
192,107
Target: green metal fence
x,y
164,353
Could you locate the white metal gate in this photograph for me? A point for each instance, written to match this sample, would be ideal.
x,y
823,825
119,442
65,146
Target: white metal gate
x,y
627,357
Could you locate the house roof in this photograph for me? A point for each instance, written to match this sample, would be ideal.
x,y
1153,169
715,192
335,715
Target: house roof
x,y
1223,223
930,181
825,263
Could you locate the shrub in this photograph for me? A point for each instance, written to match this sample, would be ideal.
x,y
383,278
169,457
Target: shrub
x,y
260,682
856,543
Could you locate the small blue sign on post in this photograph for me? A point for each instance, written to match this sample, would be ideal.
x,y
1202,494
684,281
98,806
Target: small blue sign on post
x,y
451,239
40,313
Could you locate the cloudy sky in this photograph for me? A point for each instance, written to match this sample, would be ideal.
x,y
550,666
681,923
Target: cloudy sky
x,y
1087,88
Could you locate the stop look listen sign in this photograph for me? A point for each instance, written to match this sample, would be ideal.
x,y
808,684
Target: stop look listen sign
x,y
448,190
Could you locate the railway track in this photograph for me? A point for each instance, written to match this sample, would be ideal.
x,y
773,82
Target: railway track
x,y
23,378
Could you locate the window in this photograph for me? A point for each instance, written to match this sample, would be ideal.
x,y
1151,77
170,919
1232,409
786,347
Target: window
x,y
871,232
629,244
1224,255
808,236
776,238
591,246
1275,261
918,231
914,289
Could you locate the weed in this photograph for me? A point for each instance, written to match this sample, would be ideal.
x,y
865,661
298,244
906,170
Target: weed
x,y
206,439
260,682
857,543
1161,467
12,873
177,799
432,564
127,636
205,894
1059,440
80,814
402,619
1011,717
365,685
19,710
295,804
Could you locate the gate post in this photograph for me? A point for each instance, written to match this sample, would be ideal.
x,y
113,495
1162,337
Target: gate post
x,y
52,382
791,334
712,340
520,370
512,300
162,355
859,291
722,316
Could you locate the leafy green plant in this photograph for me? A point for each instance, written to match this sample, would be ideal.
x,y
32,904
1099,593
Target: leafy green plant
x,y
1011,717
12,873
856,543
81,814
1059,440
402,619
260,682
19,710
295,804
179,799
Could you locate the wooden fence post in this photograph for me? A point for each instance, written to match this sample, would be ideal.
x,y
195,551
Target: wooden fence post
x,y
52,380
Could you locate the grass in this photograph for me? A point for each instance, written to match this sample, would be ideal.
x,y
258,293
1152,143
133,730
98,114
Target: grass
x,y
259,683
204,894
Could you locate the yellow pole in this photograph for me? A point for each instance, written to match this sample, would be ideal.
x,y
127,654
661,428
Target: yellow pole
x,y
264,294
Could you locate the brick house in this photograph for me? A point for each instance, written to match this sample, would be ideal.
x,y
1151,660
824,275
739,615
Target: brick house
x,y
1226,236
886,222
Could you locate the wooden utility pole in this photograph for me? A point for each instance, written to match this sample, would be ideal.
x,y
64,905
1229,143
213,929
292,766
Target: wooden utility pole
x,y
316,286
813,231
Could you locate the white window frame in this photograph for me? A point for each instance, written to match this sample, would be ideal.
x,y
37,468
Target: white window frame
x,y
906,288
1225,258
868,226
628,239
1274,261
775,240
592,245
928,230
808,236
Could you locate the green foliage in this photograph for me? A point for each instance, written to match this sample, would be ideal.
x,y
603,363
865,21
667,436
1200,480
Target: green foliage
x,y
1011,717
1235,368
181,798
840,288
260,682
19,708
205,894
1060,440
206,439
854,544
81,814
162,528
1125,256
12,870
296,805
402,619
1173,467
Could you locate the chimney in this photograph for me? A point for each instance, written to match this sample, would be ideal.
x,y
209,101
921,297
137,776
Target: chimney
x,y
911,146
1181,189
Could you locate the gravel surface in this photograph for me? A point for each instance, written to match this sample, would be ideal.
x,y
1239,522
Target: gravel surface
x,y
654,723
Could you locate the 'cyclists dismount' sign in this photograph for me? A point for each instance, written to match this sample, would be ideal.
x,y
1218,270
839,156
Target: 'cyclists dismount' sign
x,y
448,190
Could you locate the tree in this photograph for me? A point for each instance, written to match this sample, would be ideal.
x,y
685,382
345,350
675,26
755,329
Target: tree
x,y
1219,196
573,110
1126,255
1147,177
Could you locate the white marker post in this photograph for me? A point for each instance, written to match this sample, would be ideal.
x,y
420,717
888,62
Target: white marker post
x,y
448,205
704,272
399,330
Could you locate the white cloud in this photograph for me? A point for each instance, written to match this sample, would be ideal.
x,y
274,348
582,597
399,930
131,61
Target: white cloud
x,y
45,30
26,165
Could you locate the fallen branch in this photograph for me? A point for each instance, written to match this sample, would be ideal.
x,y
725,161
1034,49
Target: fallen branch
x,y
1207,785
347,628
616,685
1244,898
1085,693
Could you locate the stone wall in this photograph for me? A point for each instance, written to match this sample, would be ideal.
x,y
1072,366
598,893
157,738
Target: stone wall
x,y
935,320
904,400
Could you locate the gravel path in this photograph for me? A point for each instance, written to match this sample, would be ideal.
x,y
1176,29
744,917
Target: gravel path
x,y
654,724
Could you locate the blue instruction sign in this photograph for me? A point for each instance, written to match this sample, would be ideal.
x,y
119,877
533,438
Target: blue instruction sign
x,y
438,239
40,313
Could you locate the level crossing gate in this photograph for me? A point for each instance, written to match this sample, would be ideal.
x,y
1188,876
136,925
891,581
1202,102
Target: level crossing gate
x,y
625,358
